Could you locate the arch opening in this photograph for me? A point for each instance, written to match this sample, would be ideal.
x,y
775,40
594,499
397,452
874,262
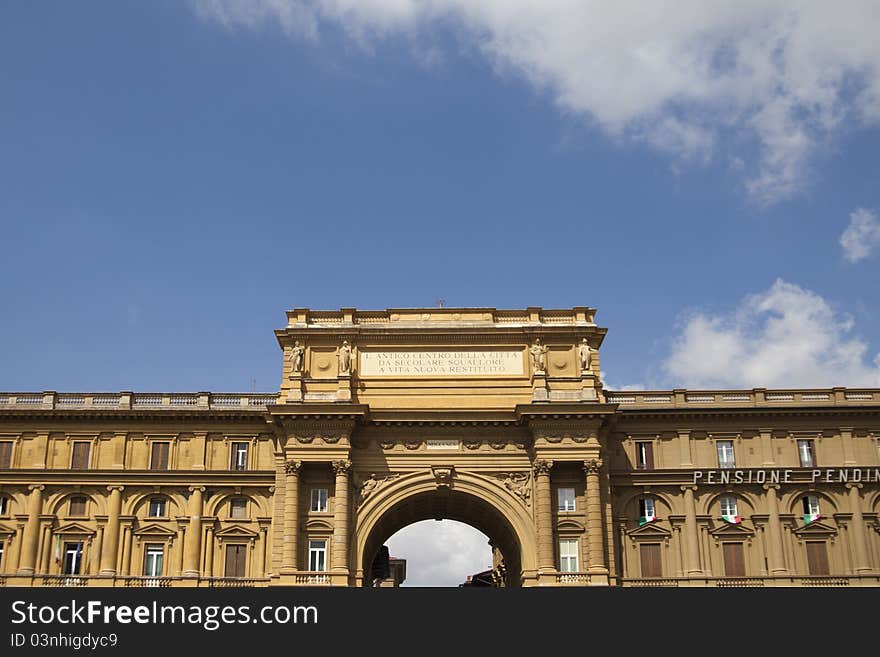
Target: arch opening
x,y
449,505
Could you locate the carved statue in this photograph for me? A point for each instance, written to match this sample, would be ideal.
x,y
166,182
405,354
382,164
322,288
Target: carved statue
x,y
345,358
585,355
369,486
519,483
539,355
296,356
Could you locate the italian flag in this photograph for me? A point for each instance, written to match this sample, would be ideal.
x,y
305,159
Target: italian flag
x,y
733,520
811,517
644,520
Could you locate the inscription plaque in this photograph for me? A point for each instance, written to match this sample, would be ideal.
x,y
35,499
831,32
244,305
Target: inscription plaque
x,y
441,363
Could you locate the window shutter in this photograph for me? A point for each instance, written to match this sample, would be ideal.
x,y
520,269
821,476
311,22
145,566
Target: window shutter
x,y
160,456
5,455
649,456
80,460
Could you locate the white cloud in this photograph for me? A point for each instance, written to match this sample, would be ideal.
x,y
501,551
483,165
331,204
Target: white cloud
x,y
440,553
676,74
861,236
785,337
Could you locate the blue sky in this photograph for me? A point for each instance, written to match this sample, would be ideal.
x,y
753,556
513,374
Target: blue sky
x,y
174,176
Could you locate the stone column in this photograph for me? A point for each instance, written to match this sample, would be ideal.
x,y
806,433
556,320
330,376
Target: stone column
x,y
544,515
594,517
209,552
110,545
862,563
692,530
192,547
28,554
339,554
291,516
774,532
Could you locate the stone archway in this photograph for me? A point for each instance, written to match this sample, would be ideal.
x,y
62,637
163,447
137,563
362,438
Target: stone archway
x,y
443,493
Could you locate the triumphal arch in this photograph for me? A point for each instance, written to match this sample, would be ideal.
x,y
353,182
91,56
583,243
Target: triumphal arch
x,y
496,418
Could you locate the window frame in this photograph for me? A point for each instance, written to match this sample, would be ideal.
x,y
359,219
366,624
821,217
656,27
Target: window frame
x,y
77,560
563,508
85,506
233,505
88,460
153,445
811,448
160,500
11,444
645,455
727,499
315,550
723,464
565,560
807,501
4,506
234,452
644,502
151,549
316,490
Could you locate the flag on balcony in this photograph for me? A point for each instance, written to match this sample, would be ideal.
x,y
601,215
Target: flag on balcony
x,y
811,517
733,520
644,520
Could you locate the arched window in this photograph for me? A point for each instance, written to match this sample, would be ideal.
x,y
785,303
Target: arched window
x,y
646,510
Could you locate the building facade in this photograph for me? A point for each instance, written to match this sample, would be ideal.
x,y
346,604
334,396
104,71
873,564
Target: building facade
x,y
496,418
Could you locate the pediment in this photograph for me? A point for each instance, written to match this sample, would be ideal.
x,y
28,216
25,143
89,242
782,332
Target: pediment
x,y
154,529
570,525
729,530
74,528
815,528
236,531
319,525
650,530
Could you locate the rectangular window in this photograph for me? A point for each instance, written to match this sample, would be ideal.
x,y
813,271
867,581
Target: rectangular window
x,y
159,456
806,454
566,499
238,459
644,455
157,507
77,506
817,558
319,499
317,556
72,558
2,544
734,561
646,509
4,505
728,506
153,559
568,555
80,457
238,508
5,454
725,454
811,505
235,560
650,558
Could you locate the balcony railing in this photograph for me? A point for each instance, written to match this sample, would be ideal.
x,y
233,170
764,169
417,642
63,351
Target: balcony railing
x,y
754,582
573,579
138,400
755,397
313,578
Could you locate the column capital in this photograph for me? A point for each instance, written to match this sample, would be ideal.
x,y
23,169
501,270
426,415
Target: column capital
x,y
292,467
196,489
116,487
854,485
36,487
592,466
542,466
689,487
769,487
342,466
